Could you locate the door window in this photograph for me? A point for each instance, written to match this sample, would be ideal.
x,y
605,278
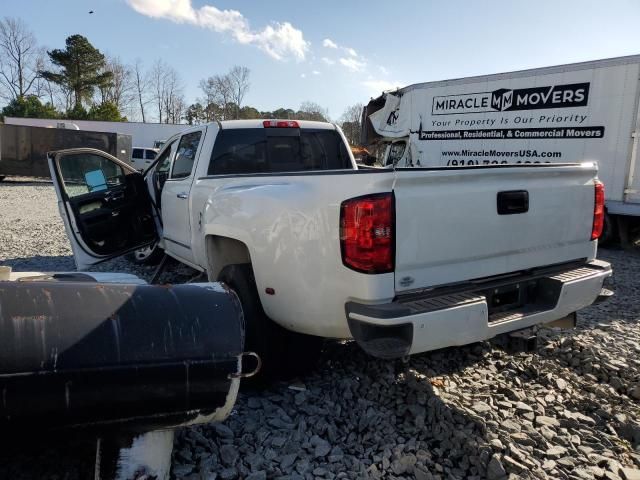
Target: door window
x,y
150,154
84,173
137,153
186,155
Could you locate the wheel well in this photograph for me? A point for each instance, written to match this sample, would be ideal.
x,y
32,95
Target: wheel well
x,y
224,251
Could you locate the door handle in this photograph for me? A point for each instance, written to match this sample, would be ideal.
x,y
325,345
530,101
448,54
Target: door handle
x,y
513,202
182,195
114,196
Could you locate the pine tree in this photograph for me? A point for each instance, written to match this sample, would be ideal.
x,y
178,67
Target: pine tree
x,y
80,68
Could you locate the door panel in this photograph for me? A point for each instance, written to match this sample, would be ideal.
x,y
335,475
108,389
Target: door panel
x,y
176,198
105,205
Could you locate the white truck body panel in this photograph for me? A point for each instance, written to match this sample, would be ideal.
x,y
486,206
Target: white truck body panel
x,y
587,112
552,231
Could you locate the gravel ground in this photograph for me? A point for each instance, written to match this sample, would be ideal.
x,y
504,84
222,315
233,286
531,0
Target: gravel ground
x,y
569,410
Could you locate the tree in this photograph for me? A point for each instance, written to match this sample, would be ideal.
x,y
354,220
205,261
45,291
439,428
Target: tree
x,y
81,69
312,111
284,113
106,111
350,123
238,78
29,106
249,112
224,94
77,112
167,92
20,59
218,91
141,84
120,91
195,114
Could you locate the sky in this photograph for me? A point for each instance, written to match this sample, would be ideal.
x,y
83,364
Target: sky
x,y
338,52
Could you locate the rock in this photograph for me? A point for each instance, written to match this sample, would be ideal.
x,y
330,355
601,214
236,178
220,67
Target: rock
x,y
222,430
549,465
495,469
496,444
421,474
566,462
278,442
408,461
322,450
556,452
547,433
300,398
523,407
630,473
634,392
481,407
522,439
260,475
560,384
541,420
286,461
228,454
228,474
511,426
336,455
320,472
513,466
182,470
616,384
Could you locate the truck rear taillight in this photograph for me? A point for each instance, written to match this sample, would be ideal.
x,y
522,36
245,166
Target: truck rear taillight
x,y
598,211
367,231
280,124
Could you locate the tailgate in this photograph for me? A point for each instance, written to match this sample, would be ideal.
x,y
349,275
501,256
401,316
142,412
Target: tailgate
x,y
448,228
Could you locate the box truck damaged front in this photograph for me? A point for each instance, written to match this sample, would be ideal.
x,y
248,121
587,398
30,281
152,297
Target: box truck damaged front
x,y
565,114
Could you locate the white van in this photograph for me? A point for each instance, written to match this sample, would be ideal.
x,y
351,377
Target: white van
x,y
141,158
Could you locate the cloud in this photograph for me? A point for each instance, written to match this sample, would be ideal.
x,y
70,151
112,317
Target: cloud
x,y
316,72
328,61
353,64
384,70
303,75
278,40
327,42
379,85
350,51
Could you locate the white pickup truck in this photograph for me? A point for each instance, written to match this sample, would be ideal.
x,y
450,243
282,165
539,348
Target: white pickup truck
x,y
404,261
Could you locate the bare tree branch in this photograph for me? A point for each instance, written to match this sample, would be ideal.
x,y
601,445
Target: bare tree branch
x,y
239,79
142,84
20,58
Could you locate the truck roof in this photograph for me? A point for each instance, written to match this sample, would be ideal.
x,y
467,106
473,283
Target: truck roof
x,y
605,62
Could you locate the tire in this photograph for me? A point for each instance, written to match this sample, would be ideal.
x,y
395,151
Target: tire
x,y
284,353
609,231
150,255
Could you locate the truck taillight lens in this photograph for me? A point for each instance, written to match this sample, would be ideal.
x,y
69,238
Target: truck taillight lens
x,y
598,211
367,230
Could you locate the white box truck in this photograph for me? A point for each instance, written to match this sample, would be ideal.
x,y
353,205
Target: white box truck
x,y
563,114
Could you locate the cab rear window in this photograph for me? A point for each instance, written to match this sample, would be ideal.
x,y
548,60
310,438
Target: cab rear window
x,y
264,150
